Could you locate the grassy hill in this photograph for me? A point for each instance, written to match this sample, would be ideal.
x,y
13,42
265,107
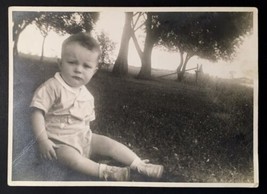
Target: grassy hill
x,y
200,134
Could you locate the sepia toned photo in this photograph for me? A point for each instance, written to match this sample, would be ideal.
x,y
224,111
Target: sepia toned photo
x,y
150,97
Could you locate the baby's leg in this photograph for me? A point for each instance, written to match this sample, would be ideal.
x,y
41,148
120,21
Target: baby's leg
x,y
105,146
74,160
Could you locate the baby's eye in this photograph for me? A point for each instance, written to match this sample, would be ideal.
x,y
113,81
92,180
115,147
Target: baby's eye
x,y
87,67
72,62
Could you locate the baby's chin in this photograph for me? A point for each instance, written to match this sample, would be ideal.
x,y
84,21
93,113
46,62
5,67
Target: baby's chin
x,y
75,84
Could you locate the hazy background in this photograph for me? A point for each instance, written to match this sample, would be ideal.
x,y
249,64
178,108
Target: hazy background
x,y
244,64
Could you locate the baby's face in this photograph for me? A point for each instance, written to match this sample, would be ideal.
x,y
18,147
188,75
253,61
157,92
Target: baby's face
x,y
78,64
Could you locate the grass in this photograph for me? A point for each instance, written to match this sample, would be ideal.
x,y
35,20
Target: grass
x,y
200,134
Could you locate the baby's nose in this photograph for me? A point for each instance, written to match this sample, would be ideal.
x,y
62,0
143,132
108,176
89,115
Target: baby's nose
x,y
78,69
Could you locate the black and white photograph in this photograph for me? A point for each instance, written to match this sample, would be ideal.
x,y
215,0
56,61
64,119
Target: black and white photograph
x,y
139,97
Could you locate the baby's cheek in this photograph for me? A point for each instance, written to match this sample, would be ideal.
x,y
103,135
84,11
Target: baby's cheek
x,y
87,80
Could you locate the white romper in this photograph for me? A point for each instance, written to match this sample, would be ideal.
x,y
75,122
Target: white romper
x,y
67,113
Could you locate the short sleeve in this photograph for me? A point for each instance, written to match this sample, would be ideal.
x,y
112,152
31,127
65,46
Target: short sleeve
x,y
44,97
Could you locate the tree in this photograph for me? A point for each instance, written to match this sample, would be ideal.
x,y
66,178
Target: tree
x,y
71,22
150,40
209,35
44,27
107,47
150,27
45,30
20,21
121,64
212,35
130,26
60,22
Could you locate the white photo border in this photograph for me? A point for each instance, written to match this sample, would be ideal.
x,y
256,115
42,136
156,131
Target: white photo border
x,y
130,184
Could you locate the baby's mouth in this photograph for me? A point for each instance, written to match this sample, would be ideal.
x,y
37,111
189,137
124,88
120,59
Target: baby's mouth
x,y
77,78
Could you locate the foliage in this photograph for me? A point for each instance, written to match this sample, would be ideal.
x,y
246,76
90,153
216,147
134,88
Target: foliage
x,y
107,48
20,21
60,22
69,22
209,35
212,35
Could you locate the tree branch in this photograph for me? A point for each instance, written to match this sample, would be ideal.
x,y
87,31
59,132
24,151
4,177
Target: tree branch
x,y
136,13
181,60
144,16
137,46
188,56
139,26
140,13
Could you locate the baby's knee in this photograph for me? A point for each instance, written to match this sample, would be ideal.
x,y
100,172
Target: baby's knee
x,y
68,156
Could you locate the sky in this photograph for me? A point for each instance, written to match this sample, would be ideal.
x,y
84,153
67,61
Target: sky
x,y
244,65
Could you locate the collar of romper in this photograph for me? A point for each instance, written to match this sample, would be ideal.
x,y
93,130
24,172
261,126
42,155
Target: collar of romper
x,y
63,83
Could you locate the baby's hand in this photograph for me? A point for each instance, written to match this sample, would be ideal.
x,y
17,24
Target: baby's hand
x,y
46,148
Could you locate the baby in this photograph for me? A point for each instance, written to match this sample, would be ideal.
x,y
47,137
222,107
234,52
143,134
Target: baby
x,y
63,109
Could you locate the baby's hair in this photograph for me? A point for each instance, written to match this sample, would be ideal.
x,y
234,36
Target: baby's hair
x,y
84,40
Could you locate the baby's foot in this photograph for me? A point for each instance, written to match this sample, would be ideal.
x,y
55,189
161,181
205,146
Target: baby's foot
x,y
150,170
113,173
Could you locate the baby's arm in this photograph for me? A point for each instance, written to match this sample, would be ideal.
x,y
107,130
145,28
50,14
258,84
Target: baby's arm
x,y
46,147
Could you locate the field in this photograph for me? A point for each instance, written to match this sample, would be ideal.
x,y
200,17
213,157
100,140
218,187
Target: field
x,y
199,134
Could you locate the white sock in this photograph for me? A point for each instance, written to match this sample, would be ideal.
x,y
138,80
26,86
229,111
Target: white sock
x,y
101,169
135,163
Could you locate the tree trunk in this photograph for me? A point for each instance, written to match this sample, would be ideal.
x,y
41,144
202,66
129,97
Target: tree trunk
x,y
182,72
15,46
42,52
16,40
139,50
181,64
145,72
16,34
121,63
